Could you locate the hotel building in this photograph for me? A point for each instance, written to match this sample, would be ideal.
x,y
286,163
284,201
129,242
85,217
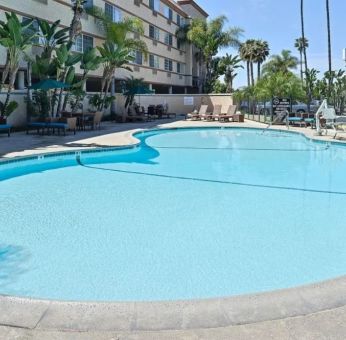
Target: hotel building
x,y
170,67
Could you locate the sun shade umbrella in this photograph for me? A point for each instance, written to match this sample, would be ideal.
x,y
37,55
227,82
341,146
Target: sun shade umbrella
x,y
49,84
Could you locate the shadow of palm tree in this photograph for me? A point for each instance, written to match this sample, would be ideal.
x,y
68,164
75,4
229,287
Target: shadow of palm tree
x,y
13,260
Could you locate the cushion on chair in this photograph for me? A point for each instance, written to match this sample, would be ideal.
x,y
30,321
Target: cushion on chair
x,y
5,126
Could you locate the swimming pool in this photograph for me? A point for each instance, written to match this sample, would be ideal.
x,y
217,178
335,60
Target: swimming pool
x,y
190,213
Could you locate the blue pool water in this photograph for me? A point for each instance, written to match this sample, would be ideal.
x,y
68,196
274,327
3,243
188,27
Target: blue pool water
x,y
189,214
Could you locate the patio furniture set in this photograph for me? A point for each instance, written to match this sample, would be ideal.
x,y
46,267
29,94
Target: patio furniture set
x,y
68,121
221,113
136,113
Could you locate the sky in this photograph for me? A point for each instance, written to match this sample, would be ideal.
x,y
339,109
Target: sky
x,y
278,22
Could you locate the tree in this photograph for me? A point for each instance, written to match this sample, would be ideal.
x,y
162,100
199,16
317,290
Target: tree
x,y
219,87
228,66
329,40
245,55
261,52
15,38
209,37
301,44
281,63
75,29
119,48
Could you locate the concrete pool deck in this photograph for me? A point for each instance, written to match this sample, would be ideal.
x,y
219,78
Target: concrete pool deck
x,y
315,311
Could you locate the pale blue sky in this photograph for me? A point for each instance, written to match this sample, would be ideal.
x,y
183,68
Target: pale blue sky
x,y
278,22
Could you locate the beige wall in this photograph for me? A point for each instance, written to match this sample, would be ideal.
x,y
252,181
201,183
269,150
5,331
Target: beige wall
x,y
175,104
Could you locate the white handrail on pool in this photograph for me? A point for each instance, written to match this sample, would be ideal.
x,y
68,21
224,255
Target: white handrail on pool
x,y
279,118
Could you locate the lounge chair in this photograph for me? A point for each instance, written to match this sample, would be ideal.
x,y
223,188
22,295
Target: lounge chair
x,y
6,128
228,113
215,114
198,115
59,124
135,115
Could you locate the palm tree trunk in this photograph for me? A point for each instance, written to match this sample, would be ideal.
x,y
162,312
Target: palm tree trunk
x,y
304,51
13,74
329,42
252,75
248,73
258,71
5,71
301,66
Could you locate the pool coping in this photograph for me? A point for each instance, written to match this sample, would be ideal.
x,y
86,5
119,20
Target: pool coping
x,y
40,314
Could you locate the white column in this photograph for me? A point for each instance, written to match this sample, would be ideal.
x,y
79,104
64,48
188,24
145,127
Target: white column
x,y
170,90
150,87
20,80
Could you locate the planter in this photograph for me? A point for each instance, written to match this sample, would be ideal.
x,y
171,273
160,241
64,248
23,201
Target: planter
x,y
3,120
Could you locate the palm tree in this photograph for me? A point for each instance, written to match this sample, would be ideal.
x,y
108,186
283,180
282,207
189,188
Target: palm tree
x,y
261,53
209,38
118,49
228,66
329,40
244,53
75,29
113,57
304,41
16,39
301,44
283,62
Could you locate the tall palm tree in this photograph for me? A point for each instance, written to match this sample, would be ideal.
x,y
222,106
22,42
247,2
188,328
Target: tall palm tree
x,y
329,41
304,44
261,53
245,55
301,44
283,62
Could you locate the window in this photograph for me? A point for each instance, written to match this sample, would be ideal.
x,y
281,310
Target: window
x,y
180,68
138,57
154,61
180,45
88,43
154,32
178,19
88,4
168,65
33,28
83,43
168,13
113,12
154,5
169,39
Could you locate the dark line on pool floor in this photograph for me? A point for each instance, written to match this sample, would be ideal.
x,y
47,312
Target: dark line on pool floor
x,y
235,149
211,180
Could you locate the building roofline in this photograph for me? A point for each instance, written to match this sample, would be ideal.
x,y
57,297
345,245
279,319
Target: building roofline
x,y
195,5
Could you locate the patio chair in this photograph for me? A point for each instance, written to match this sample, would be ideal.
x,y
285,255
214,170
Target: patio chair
x,y
134,114
6,128
198,115
94,121
228,113
215,114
